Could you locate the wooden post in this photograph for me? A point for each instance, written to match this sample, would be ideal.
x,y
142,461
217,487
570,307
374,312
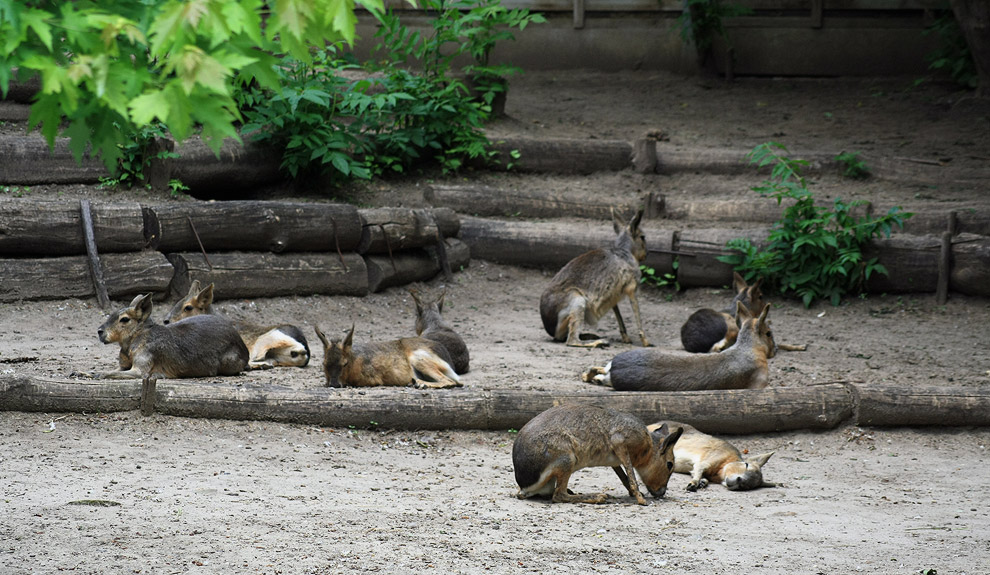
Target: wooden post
x,y
645,155
578,14
945,261
94,257
148,395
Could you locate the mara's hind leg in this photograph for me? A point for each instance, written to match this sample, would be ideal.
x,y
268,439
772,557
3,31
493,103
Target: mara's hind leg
x,y
631,294
562,495
622,325
430,371
597,375
233,363
572,319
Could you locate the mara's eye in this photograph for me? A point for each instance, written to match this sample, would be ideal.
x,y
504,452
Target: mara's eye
x,y
125,319
189,308
747,465
670,465
294,354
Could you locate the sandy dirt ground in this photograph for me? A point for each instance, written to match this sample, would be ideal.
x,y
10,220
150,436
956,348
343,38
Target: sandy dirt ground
x,y
120,493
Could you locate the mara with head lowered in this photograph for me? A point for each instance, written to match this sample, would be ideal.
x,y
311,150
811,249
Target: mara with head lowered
x,y
742,366
408,361
563,439
282,345
197,347
593,283
708,459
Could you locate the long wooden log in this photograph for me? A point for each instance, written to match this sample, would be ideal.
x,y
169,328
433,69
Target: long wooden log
x,y
567,156
238,168
672,159
972,221
736,411
704,269
388,230
486,201
27,160
257,274
911,262
550,245
881,405
970,265
125,275
254,226
414,265
54,228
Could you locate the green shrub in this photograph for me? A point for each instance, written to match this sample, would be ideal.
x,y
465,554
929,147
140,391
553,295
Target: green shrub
x,y
853,166
813,251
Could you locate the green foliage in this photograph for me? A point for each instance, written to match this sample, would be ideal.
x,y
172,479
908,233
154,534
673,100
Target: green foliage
x,y
813,251
702,21
650,276
109,68
362,128
853,166
952,54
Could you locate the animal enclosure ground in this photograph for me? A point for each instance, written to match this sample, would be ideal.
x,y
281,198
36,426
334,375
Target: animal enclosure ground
x,y
119,493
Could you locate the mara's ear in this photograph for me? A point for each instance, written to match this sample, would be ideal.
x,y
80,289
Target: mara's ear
x,y
671,438
742,313
759,460
738,283
756,284
323,338
635,220
415,296
443,294
349,340
617,223
193,288
205,297
764,313
142,304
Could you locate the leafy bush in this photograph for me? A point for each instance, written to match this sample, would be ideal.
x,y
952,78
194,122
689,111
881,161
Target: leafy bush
x,y
702,21
109,69
853,166
952,54
813,251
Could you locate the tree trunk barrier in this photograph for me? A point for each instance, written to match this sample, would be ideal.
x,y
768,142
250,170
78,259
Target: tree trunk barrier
x,y
239,275
773,409
387,230
486,201
415,265
125,274
564,156
54,228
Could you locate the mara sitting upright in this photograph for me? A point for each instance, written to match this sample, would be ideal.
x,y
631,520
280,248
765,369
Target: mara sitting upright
x,y
707,330
593,283
431,325
201,346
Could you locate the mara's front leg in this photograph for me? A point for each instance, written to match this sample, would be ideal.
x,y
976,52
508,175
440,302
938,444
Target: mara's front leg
x,y
634,302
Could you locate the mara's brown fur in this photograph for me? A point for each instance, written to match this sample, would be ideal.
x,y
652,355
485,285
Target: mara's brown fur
x,y
564,439
431,325
590,285
742,366
708,459
408,361
707,330
197,347
282,345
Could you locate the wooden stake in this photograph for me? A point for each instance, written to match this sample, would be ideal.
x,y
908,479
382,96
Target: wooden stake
x,y
945,261
148,395
94,257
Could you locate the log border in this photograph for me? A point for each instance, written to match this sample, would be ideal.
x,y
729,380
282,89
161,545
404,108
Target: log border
x,y
775,409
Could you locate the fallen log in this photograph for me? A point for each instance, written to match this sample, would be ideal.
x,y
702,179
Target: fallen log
x,y
973,221
566,156
275,227
704,269
125,275
39,228
485,201
388,230
27,160
228,175
911,262
970,265
892,405
736,411
671,159
414,265
255,274
550,245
